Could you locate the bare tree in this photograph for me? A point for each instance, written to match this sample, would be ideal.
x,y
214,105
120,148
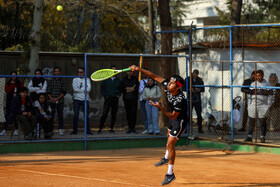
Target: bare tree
x,y
35,36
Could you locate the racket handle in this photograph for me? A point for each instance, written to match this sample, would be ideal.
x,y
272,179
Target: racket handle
x,y
127,69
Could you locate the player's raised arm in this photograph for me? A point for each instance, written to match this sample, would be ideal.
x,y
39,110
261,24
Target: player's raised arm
x,y
148,73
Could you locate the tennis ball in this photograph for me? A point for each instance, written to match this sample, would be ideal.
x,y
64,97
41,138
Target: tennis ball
x,y
59,8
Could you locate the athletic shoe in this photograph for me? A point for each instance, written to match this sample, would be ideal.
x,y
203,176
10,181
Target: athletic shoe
x,y
248,139
162,162
15,133
60,131
168,179
262,139
3,133
145,132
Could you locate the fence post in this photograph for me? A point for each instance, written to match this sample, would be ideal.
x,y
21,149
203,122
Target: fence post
x,y
231,82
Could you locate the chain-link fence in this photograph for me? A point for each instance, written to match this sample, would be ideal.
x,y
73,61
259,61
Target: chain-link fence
x,y
231,108
56,98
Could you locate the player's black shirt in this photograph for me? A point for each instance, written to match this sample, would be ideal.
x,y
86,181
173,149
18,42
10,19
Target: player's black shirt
x,y
177,103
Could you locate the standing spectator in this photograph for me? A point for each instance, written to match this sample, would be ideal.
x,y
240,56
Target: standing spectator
x,y
142,84
274,109
110,90
37,85
152,93
12,88
196,97
263,100
246,82
79,99
129,87
23,111
56,91
43,113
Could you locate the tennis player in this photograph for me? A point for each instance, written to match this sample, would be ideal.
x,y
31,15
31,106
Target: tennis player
x,y
178,117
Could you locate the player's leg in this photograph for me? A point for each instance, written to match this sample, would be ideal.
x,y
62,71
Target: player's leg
x,y
170,146
165,159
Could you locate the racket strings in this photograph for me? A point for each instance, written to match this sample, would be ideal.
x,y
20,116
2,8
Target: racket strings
x,y
102,74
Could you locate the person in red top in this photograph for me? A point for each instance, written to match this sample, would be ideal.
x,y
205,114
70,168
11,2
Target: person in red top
x,y
12,88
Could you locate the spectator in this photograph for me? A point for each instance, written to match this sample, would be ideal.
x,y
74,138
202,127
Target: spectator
x,y
152,93
12,88
79,99
43,113
263,100
110,90
56,91
196,97
22,109
274,109
142,84
37,85
246,82
129,87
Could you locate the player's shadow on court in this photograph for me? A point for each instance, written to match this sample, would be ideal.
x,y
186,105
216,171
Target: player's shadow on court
x,y
68,160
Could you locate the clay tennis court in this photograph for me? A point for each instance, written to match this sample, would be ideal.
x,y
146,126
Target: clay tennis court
x,y
134,167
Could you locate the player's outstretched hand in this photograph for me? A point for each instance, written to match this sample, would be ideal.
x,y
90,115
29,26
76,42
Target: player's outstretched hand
x,y
134,68
156,104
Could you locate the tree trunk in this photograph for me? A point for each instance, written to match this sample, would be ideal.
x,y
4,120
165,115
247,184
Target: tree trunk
x,y
236,6
35,36
94,41
151,27
166,67
235,17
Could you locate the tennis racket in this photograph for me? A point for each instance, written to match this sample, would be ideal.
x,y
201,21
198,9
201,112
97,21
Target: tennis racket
x,y
104,74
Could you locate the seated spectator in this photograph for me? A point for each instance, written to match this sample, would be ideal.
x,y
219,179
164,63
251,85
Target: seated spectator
x,y
22,110
152,93
274,110
43,113
12,88
37,85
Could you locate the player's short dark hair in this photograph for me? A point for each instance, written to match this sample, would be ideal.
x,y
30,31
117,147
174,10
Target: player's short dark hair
x,y
253,73
178,78
196,71
23,89
260,72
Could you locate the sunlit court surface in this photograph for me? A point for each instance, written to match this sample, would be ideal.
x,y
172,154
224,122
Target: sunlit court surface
x,y
134,167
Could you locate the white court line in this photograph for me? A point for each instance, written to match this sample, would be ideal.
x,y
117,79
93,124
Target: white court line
x,y
77,177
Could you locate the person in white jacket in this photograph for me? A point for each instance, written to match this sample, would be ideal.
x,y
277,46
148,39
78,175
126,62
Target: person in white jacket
x,y
79,99
37,85
259,100
152,93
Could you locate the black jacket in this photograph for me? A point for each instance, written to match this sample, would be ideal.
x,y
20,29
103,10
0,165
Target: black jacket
x,y
132,82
